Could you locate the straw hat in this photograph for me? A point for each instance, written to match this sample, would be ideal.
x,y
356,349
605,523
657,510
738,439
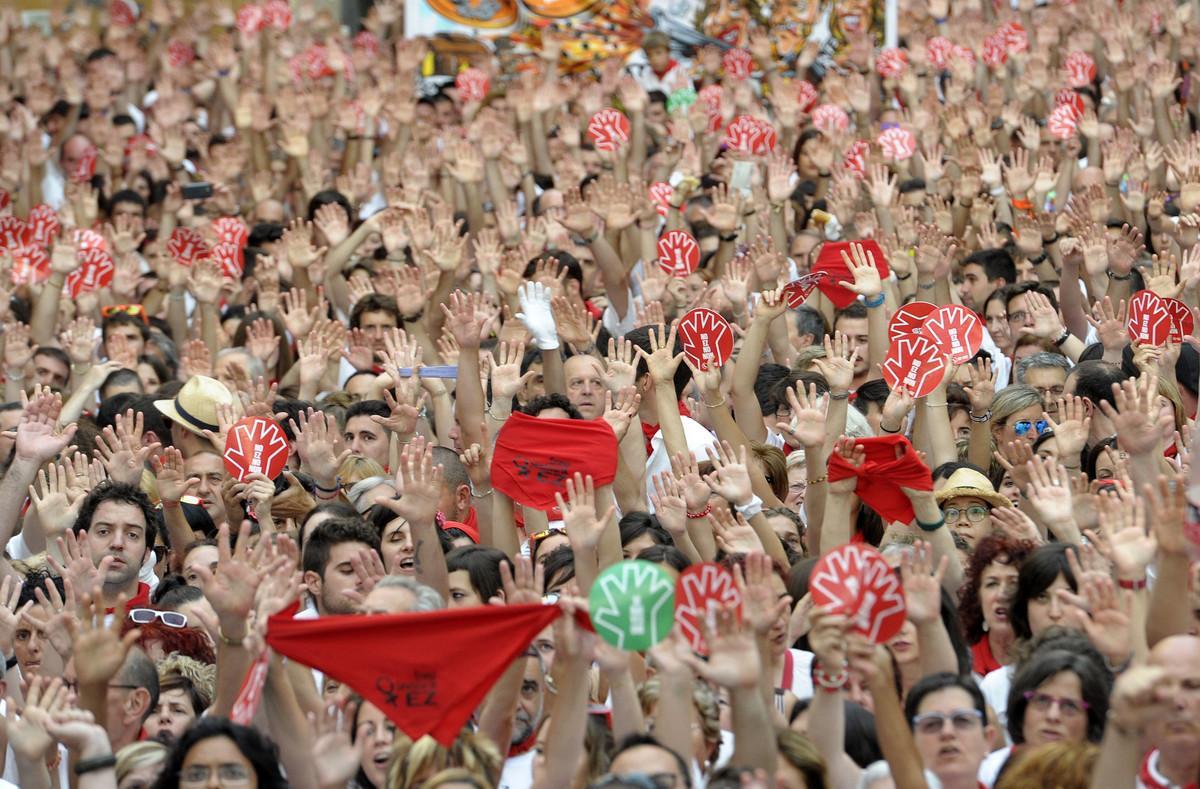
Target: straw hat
x,y
969,482
195,407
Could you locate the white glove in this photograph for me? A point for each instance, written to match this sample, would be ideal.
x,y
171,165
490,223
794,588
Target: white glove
x,y
536,315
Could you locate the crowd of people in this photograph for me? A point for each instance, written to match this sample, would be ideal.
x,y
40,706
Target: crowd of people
x,y
209,213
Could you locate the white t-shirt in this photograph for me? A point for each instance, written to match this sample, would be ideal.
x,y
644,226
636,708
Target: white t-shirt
x,y
995,687
990,768
698,440
518,771
18,549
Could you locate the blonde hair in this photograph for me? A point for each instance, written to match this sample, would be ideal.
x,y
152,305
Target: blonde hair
x,y
414,761
455,775
356,469
137,755
704,701
202,676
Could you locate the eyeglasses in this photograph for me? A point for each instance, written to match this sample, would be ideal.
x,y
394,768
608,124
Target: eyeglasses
x,y
144,616
229,774
636,781
1041,702
1023,426
975,513
934,722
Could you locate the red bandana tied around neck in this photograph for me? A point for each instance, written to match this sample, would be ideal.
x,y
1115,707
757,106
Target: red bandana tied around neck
x,y
534,457
650,431
427,671
883,474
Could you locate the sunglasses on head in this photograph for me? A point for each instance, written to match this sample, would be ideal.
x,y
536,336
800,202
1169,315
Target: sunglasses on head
x,y
1023,426
136,310
144,616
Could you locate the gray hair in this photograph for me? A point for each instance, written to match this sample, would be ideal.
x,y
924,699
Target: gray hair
x,y
254,366
360,488
1042,359
427,598
810,321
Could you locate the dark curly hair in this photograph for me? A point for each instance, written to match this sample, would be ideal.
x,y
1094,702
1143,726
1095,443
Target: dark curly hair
x,y
125,494
992,548
258,750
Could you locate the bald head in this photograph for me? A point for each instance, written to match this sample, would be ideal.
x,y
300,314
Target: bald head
x,y
1176,649
1178,734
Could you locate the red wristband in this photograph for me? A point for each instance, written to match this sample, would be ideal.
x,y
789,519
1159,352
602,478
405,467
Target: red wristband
x,y
702,513
1134,585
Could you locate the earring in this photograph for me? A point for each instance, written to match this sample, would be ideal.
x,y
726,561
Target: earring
x,y
985,626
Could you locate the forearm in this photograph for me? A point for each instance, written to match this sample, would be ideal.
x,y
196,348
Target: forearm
x,y
609,546
468,398
496,716
288,727
613,274
830,737
233,661
626,710
1118,759
979,445
1166,616
754,737
877,337
45,309
76,404
568,726
836,527
13,491
769,539
673,717
669,421
937,653
941,435
429,562
210,327
895,738
501,533
746,408
553,374
34,775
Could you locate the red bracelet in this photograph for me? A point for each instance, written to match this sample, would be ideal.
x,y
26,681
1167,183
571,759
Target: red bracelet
x,y
1134,585
830,683
701,514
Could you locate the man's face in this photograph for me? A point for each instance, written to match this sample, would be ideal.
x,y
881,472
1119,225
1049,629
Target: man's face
x,y
658,58
118,530
585,385
203,557
377,325
956,750
974,288
28,643
651,760
529,703
73,152
132,336
211,471
339,578
857,333
50,371
172,716
1049,381
367,439
1020,318
133,211
1180,657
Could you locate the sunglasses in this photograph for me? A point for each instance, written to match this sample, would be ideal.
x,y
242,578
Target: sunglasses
x,y
136,310
144,616
1023,426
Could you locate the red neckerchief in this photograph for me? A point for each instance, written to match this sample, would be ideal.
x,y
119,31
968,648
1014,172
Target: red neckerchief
x,y
982,659
788,668
1150,778
525,745
649,431
139,600
672,63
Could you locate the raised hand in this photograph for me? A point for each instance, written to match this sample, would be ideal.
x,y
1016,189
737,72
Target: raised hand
x,y
537,315
922,583
99,648
982,390
861,263
419,483
316,444
1106,616
584,526
620,365
1049,495
120,448
762,608
56,502
27,734
231,588
620,414
1124,538
39,437
807,427
79,568
507,379
1137,420
1072,428
732,652
661,362
730,477
838,364
335,756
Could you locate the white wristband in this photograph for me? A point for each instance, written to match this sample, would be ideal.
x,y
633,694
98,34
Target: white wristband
x,y
750,508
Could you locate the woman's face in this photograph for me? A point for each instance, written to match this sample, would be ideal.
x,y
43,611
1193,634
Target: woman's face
x,y
968,517
1021,426
960,423
148,377
396,548
1009,489
217,757
547,545
377,735
778,634
143,777
1056,711
797,486
1046,610
1048,449
201,556
28,645
638,544
997,583
462,593
997,324
1167,409
903,645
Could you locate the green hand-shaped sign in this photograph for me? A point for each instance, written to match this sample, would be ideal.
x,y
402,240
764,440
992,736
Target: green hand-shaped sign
x,y
633,605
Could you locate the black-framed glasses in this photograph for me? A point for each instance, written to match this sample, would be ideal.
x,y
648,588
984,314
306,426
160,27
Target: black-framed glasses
x,y
934,722
144,616
974,513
